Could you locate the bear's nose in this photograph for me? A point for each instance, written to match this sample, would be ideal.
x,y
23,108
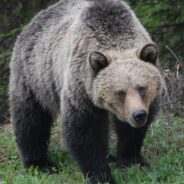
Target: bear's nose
x,y
140,116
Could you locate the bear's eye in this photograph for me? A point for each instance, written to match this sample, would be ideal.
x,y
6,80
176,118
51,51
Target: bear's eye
x,y
120,94
142,90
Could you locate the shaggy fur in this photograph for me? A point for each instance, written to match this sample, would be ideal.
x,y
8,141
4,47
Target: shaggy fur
x,y
51,75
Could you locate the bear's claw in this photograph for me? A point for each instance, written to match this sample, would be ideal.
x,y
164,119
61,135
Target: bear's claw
x,y
50,167
124,163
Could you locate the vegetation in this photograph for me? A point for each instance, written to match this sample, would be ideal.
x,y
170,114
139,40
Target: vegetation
x,y
165,21
163,148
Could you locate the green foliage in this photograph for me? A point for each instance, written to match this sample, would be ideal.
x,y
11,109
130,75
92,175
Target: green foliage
x,y
165,21
163,148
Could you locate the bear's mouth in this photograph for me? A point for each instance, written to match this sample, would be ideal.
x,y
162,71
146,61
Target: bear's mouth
x,y
137,125
131,122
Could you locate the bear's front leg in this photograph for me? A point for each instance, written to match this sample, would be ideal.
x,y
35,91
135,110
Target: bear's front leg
x,y
86,134
32,124
130,142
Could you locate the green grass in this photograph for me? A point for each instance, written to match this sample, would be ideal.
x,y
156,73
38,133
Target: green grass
x,y
164,148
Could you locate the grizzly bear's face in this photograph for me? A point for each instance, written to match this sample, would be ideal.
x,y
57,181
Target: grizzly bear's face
x,y
125,88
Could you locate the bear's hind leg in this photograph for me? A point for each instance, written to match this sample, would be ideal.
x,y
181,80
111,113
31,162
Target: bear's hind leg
x,y
32,126
130,141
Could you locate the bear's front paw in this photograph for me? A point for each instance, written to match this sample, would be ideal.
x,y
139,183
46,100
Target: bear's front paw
x,y
50,167
45,166
124,163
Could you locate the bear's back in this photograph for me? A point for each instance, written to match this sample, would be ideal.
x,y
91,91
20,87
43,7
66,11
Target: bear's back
x,y
65,33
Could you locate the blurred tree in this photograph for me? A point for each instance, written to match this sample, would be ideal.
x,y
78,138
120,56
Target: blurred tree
x,y
13,16
165,21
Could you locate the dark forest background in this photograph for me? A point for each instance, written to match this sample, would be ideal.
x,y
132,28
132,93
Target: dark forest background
x,y
163,19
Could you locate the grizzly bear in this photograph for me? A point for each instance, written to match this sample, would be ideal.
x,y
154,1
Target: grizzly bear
x,y
84,60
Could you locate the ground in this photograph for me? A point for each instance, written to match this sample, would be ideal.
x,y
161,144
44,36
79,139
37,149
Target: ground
x,y
164,148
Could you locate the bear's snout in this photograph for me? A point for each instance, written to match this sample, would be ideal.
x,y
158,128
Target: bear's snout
x,y
140,116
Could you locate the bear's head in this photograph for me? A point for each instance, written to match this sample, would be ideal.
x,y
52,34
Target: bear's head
x,y
126,86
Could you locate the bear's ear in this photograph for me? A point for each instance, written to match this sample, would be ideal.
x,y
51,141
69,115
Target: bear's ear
x,y
98,61
149,53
